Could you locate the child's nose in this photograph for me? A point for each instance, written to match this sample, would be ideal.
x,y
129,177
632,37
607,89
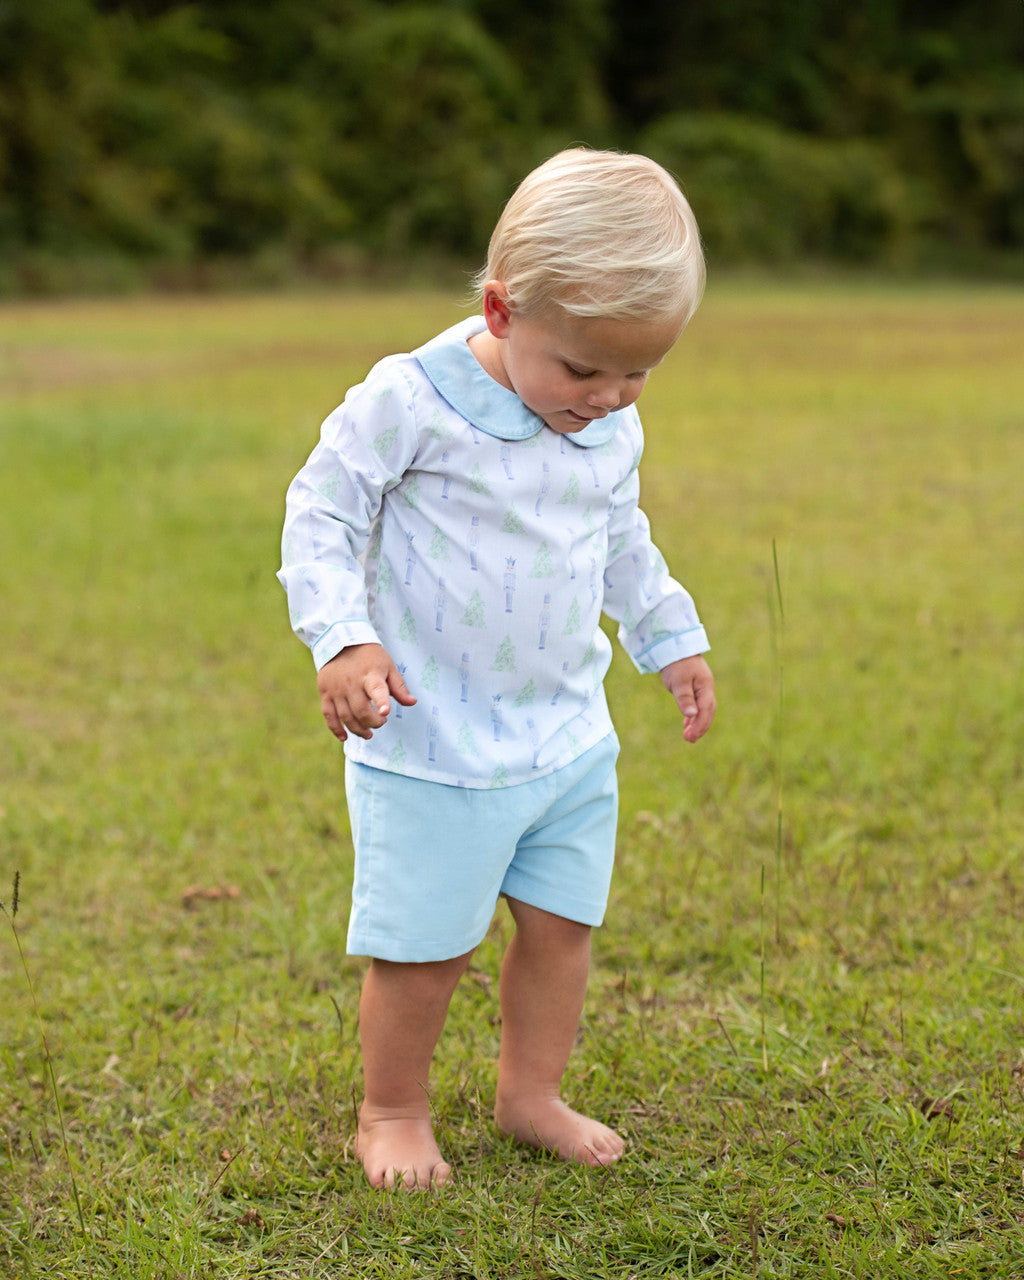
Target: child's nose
x,y
606,396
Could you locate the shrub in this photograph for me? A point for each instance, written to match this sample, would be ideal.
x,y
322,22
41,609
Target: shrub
x,y
763,193
433,128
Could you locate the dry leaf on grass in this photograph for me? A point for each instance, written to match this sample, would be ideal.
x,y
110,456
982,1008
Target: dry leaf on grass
x,y
936,1109
215,893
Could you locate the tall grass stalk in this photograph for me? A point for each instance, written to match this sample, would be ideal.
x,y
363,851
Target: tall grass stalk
x,y
47,1055
776,613
764,1031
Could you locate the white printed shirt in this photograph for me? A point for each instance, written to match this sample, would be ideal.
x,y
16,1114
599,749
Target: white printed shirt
x,y
442,519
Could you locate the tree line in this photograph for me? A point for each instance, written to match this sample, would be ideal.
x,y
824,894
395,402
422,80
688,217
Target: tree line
x,y
316,132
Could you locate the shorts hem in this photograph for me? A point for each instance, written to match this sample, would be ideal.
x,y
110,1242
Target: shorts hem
x,y
558,904
408,950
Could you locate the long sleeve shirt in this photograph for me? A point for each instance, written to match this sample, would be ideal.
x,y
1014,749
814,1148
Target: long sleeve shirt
x,y
442,519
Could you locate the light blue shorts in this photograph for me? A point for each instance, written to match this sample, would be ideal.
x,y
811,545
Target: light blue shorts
x,y
432,859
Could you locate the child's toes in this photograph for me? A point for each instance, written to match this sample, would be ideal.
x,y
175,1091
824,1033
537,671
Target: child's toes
x,y
606,1147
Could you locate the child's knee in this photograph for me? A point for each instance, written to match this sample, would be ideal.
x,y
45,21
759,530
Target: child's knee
x,y
533,923
429,979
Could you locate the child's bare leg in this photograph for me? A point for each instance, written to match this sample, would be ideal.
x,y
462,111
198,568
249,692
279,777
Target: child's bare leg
x,y
401,1015
543,984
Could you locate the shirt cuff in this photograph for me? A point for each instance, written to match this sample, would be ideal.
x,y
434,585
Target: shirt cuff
x,y
341,635
687,644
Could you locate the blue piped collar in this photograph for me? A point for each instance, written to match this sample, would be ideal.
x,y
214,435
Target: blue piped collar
x,y
459,377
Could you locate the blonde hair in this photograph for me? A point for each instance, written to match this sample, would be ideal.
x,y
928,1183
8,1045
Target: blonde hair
x,y
598,233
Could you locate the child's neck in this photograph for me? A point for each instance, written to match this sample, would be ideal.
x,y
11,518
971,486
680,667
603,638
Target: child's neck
x,y
484,346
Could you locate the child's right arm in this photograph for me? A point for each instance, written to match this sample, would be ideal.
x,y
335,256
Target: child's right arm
x,y
355,690
365,448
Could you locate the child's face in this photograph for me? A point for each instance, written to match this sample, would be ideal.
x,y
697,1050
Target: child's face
x,y
569,369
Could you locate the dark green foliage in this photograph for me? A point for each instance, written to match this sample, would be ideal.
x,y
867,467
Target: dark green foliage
x,y
436,118
770,194
158,132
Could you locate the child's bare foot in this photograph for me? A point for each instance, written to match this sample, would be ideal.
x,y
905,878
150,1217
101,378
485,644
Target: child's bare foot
x,y
551,1125
398,1149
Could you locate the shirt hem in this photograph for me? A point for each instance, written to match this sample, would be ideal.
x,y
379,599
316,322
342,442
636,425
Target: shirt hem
x,y
356,752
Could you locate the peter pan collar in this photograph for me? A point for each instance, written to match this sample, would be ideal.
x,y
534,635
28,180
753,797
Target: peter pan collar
x,y
459,377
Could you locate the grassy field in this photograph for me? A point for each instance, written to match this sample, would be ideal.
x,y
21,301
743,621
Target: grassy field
x,y
814,1042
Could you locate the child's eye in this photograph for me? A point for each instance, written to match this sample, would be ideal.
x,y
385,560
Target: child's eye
x,y
578,373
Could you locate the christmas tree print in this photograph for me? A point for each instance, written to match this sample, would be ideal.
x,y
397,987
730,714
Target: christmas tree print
x,y
396,757
573,619
431,677
438,549
474,615
407,627
383,440
439,429
513,522
465,744
527,694
543,564
499,778
410,491
505,658
572,491
478,481
385,578
330,486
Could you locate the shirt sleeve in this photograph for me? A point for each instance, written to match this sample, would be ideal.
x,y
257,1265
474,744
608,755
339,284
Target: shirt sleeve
x,y
657,617
365,447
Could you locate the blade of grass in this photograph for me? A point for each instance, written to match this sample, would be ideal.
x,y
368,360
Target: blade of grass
x,y
47,1055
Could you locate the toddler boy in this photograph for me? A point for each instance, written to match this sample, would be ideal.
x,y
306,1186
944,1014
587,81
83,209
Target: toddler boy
x,y
448,549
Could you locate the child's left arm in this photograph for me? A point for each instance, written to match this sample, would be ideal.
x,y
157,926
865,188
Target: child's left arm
x,y
692,685
658,622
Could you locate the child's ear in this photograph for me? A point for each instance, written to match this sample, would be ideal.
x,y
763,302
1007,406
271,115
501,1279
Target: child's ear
x,y
497,309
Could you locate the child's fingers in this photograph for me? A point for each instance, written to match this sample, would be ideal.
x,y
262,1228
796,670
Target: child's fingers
x,y
397,685
379,700
698,713
356,688
686,701
334,718
359,713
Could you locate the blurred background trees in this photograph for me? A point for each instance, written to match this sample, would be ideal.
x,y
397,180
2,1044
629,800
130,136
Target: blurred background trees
x,y
148,138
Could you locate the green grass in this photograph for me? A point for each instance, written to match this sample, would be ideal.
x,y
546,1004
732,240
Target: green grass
x,y
860,1115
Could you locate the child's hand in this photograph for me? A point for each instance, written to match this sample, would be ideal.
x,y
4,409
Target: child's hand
x,y
355,688
692,685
